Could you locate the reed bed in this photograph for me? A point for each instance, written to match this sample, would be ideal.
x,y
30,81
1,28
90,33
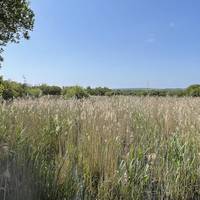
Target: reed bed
x,y
104,148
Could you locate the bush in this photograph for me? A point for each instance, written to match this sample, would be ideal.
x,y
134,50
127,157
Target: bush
x,y
193,90
34,92
1,89
109,94
75,92
13,90
8,94
90,91
99,91
50,90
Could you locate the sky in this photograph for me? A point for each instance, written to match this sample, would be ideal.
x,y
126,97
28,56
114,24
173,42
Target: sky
x,y
113,43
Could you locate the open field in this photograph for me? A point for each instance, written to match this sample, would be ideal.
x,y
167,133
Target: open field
x,y
105,148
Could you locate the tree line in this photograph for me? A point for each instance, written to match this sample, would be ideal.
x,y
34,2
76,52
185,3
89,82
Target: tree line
x,y
12,89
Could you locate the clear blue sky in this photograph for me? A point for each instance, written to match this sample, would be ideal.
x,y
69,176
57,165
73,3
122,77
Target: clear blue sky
x,y
114,43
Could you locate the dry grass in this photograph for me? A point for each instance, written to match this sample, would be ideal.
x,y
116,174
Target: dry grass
x,y
118,148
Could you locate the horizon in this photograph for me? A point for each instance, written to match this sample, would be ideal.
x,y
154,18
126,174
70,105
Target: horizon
x,y
129,44
63,86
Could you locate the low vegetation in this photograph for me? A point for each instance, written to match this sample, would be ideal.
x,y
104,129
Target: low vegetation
x,y
117,148
11,89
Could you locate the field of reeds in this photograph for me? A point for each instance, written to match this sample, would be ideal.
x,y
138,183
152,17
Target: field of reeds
x,y
105,148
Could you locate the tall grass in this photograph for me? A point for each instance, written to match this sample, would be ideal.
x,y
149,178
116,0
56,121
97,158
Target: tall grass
x,y
117,148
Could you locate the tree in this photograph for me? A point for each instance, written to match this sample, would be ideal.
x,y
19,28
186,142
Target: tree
x,y
90,91
99,91
193,90
34,92
50,90
7,94
12,89
1,90
16,20
76,92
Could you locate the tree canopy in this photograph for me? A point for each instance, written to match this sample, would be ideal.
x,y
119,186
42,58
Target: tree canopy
x,y
16,20
193,90
11,90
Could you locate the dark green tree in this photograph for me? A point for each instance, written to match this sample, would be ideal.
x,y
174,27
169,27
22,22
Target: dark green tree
x,y
76,92
12,89
50,90
193,90
16,20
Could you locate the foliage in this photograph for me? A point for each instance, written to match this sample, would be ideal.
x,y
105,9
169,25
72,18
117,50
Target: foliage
x,y
193,90
50,90
1,89
99,91
1,79
12,89
16,20
75,92
8,94
34,92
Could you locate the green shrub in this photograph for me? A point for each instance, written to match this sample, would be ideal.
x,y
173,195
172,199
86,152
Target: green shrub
x,y
50,90
8,94
13,90
75,92
99,91
193,90
109,94
34,92
1,89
